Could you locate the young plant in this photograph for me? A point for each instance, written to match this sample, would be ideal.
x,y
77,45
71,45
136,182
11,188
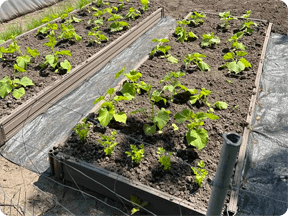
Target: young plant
x,y
221,105
65,15
116,25
202,96
136,154
200,173
101,2
196,18
235,44
196,58
136,200
99,38
144,5
164,158
210,40
181,32
107,111
108,142
68,32
15,86
163,50
196,136
246,26
98,22
82,130
235,64
133,13
226,17
52,60
174,85
49,28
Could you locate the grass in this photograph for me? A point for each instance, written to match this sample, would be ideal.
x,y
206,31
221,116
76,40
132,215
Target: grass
x,y
31,23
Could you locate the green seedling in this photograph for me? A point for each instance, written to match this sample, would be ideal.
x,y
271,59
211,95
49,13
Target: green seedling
x,y
99,38
133,13
108,142
144,5
137,154
210,40
68,10
135,200
235,44
247,26
164,158
82,130
229,81
15,86
196,18
174,85
52,60
48,28
163,50
98,13
101,2
181,32
221,105
200,173
116,25
226,17
97,23
196,136
235,65
203,97
107,111
68,32
196,58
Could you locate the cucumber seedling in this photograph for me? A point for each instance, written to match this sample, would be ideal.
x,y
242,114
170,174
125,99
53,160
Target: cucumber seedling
x,y
226,17
164,159
136,154
71,18
122,4
82,130
235,44
108,142
196,58
181,32
136,200
101,2
197,18
68,32
144,5
200,173
196,135
160,49
210,40
117,25
49,28
247,26
98,37
133,13
237,63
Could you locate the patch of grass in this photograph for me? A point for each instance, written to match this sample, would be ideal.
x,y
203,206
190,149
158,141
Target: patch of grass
x,y
13,29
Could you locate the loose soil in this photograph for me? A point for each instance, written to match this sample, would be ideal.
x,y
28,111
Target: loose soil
x,y
80,52
180,181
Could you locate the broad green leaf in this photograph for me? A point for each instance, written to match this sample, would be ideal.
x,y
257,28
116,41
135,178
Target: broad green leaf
x,y
228,56
203,66
52,26
240,67
104,117
156,96
22,61
99,99
162,118
197,55
175,127
64,52
66,65
197,138
25,81
181,117
169,88
77,37
122,23
134,210
192,35
128,88
75,19
33,52
241,53
232,66
221,105
245,62
51,60
51,42
45,20
120,117
133,75
110,91
5,88
205,42
172,59
20,69
121,98
149,130
120,72
212,116
18,93
193,99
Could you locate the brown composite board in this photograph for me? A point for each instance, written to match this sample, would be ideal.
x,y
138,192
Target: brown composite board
x,y
89,176
232,206
42,101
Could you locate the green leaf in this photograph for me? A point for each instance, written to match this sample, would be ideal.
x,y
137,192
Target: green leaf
x,y
183,116
197,138
175,127
99,99
52,26
33,52
75,19
66,65
120,72
64,52
120,117
25,81
172,59
221,105
162,118
133,75
51,60
169,88
203,66
240,67
232,66
241,53
149,130
22,61
104,117
228,56
128,88
212,116
193,99
192,35
5,87
245,63
45,20
18,93
16,67
110,91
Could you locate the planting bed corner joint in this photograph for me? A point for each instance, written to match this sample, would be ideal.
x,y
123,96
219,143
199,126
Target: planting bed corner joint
x,y
25,113
2,135
232,206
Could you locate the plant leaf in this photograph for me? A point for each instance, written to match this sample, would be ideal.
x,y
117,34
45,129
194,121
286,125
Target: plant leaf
x,y
181,117
120,72
197,138
120,117
221,105
162,118
149,130
18,93
33,52
245,62
25,81
66,65
228,56
104,117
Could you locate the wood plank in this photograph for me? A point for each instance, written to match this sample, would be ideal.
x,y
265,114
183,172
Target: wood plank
x,y
232,206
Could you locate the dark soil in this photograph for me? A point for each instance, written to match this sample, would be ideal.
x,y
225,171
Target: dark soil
x,y
180,181
80,51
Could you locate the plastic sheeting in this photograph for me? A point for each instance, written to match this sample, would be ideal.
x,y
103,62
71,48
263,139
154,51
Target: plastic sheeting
x,y
10,9
264,187
30,146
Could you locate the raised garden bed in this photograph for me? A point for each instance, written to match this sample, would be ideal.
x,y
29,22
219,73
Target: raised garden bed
x,y
165,190
86,59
